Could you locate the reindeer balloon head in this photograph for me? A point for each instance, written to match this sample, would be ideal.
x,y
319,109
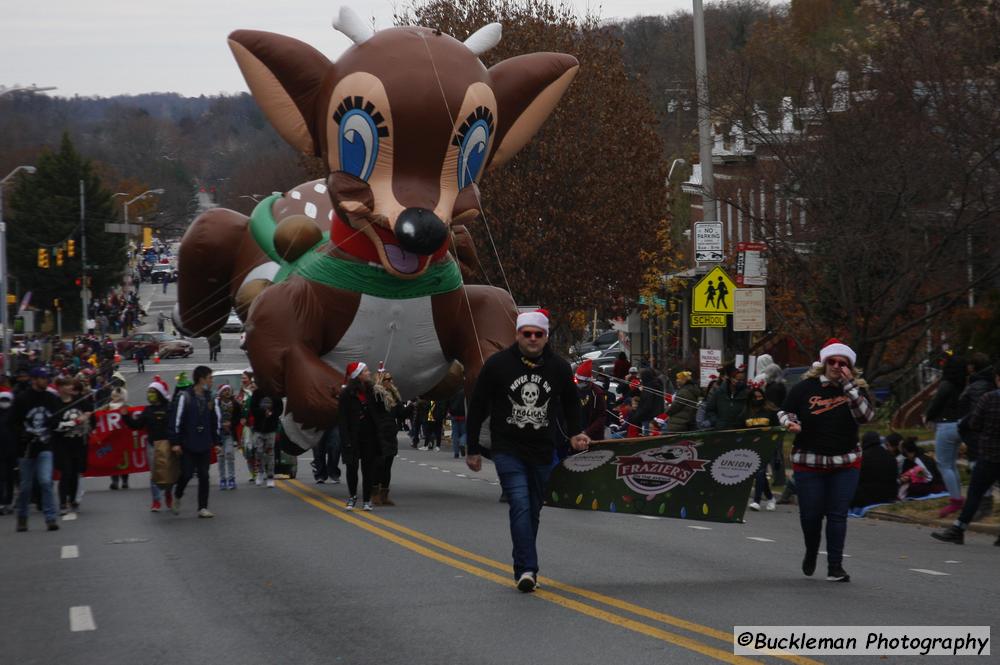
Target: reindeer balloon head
x,y
406,121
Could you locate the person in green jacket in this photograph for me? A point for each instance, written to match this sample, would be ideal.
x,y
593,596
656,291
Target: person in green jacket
x,y
726,405
684,406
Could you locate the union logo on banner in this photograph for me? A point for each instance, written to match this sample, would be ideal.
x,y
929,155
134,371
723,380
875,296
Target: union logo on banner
x,y
657,470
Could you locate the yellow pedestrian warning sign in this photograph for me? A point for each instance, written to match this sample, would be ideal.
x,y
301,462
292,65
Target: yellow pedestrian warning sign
x,y
714,293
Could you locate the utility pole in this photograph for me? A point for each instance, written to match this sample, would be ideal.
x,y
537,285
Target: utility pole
x,y
712,338
705,134
84,291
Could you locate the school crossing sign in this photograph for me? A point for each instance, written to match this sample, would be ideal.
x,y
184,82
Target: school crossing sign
x,y
714,293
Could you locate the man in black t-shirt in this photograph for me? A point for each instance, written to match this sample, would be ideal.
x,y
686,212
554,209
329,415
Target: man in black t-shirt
x,y
520,391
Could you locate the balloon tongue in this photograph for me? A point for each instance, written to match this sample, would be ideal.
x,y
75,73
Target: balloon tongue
x,y
403,261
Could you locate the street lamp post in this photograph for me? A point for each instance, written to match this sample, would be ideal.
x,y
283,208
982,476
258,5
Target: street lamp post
x,y
3,269
141,196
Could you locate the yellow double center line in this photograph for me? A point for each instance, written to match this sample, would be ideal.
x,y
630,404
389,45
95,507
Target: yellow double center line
x,y
373,524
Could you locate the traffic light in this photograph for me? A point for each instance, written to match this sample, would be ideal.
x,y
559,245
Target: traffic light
x,y
70,248
59,256
43,257
77,282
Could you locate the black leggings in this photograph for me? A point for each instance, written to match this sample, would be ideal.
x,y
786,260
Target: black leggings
x,y
71,460
385,471
368,471
8,475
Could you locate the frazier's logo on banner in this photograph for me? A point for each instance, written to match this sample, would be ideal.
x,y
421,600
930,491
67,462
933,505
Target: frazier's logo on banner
x,y
657,470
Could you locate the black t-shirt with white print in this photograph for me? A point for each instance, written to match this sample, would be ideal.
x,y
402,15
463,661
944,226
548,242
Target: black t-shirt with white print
x,y
521,396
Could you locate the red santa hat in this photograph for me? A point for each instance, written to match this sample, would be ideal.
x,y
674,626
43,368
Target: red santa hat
x,y
160,386
585,371
355,369
834,347
538,319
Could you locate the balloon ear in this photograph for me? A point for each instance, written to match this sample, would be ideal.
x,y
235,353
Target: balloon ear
x,y
285,77
527,89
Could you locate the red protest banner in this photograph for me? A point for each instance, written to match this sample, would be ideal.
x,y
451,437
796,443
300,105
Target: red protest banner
x,y
115,448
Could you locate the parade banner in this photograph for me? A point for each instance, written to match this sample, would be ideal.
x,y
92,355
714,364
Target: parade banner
x,y
694,475
115,448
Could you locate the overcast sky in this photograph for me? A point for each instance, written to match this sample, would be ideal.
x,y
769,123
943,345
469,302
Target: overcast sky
x,y
111,47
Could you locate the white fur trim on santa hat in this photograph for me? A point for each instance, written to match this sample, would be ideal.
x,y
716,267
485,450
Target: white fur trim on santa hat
x,y
6,394
538,318
355,369
834,347
160,386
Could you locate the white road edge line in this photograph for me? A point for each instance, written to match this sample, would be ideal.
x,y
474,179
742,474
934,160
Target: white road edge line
x,y
70,552
952,561
925,571
699,528
81,618
846,556
759,539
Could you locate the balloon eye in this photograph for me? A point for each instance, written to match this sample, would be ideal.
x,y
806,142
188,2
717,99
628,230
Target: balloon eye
x,y
360,130
473,140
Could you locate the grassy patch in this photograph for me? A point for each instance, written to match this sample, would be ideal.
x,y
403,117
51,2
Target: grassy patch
x,y
927,510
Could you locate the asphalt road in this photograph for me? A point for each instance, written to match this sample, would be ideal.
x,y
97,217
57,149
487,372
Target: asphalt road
x,y
286,575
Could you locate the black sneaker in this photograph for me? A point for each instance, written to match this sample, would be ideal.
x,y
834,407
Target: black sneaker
x,y
526,583
22,523
837,574
52,526
809,563
950,535
996,543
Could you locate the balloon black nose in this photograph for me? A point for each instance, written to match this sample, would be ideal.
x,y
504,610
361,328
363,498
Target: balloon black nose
x,y
420,231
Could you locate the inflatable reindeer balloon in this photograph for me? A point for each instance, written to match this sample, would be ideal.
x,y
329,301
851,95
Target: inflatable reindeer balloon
x,y
366,264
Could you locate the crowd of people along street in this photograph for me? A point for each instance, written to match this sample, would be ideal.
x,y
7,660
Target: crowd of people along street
x,y
47,409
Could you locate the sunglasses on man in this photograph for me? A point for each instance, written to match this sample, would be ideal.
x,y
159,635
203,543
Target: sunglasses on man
x,y
837,363
528,334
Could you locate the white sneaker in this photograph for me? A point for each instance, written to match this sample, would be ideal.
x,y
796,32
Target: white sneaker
x,y
205,512
260,481
270,482
351,502
770,504
367,506
437,449
754,506
423,448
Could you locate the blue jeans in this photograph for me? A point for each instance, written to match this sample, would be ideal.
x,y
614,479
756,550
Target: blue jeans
x,y
457,436
37,469
825,494
524,485
946,444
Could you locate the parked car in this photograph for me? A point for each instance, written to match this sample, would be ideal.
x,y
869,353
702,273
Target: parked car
x,y
233,324
163,343
162,272
601,342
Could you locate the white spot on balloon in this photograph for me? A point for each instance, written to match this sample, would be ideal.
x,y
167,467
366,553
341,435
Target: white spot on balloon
x,y
311,210
296,195
319,188
409,229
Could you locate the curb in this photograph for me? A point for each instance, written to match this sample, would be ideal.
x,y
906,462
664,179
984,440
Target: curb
x,y
991,529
